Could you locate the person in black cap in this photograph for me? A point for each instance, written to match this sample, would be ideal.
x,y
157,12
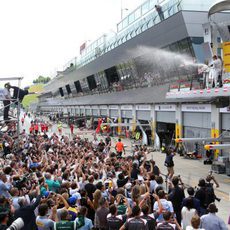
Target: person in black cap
x,y
6,101
19,93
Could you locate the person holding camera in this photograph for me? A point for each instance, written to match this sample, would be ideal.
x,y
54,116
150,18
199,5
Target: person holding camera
x,y
147,215
166,205
26,212
205,194
114,219
176,196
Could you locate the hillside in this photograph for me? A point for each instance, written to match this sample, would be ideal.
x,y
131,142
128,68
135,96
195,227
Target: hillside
x,y
33,97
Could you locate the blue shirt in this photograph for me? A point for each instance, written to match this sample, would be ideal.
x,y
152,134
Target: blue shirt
x,y
4,189
43,223
211,222
88,224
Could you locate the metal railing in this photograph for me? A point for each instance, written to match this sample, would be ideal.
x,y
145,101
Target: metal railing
x,y
151,19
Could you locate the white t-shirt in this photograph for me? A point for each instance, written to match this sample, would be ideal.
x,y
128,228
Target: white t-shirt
x,y
191,228
187,216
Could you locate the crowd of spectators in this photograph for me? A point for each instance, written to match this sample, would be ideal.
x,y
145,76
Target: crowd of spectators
x,y
56,182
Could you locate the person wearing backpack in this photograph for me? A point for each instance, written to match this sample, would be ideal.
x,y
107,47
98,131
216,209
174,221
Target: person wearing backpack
x,y
205,194
176,196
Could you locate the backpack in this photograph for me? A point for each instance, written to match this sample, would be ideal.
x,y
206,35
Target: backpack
x,y
115,223
151,222
209,195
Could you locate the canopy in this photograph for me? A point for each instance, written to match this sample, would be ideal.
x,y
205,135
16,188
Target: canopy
x,y
218,7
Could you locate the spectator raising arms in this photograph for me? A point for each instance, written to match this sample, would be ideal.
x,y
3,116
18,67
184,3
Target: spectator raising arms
x,y
56,182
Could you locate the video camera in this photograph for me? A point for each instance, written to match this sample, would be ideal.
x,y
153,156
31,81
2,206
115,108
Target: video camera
x,y
20,183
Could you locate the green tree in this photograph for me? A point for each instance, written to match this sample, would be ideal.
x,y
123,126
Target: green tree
x,y
41,79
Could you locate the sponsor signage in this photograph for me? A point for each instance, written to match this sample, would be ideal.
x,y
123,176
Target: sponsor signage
x,y
165,107
113,106
196,108
126,107
103,107
143,107
225,110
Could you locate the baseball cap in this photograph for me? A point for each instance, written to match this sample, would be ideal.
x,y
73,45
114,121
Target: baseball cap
x,y
46,194
72,200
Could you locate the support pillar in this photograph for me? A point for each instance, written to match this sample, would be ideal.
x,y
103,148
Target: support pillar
x,y
119,128
215,126
153,122
134,119
107,108
179,122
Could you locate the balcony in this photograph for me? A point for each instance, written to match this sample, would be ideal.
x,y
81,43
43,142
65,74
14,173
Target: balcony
x,y
195,89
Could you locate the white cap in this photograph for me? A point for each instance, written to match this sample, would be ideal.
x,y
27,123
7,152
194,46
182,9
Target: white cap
x,y
128,186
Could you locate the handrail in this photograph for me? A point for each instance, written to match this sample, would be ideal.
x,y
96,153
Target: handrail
x,y
10,78
89,57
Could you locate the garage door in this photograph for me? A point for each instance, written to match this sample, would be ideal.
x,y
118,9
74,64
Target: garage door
x,y
225,124
113,113
88,112
126,114
104,112
95,112
201,120
144,115
167,117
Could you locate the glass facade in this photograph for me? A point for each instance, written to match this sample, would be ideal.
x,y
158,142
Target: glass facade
x,y
154,68
141,19
102,83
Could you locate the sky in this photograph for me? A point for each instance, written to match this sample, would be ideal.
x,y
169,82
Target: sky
x,y
38,37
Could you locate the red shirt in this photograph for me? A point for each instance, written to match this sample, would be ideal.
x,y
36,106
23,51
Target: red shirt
x,y
36,127
119,146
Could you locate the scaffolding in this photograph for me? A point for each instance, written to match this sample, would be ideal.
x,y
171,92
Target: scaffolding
x,y
15,102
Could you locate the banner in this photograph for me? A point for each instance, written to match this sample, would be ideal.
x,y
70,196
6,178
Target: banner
x,y
82,47
226,56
